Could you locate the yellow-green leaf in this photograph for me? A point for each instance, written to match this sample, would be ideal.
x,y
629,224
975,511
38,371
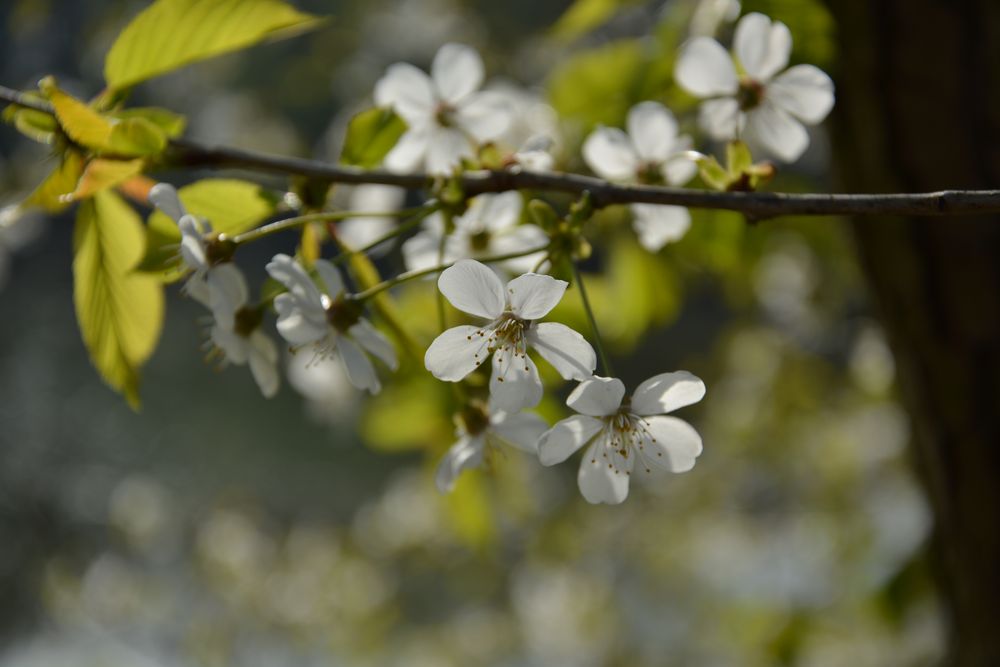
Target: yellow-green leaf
x,y
33,124
370,136
170,34
231,206
598,86
101,174
53,194
585,15
120,313
80,123
137,136
172,124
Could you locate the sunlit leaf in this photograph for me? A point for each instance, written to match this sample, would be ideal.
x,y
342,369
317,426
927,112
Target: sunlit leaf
x,y
137,136
231,206
585,15
120,313
101,174
53,194
35,125
80,122
596,86
172,124
370,136
170,34
408,415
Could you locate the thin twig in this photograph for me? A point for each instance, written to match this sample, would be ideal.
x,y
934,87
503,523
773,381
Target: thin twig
x,y
756,205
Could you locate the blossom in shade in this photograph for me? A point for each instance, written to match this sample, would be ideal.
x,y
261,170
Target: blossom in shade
x,y
489,227
319,317
236,331
446,113
625,436
512,312
651,153
193,246
747,97
360,231
480,431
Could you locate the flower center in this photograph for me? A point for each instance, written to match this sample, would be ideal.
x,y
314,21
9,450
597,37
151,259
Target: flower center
x,y
649,173
750,94
627,442
246,321
505,338
480,241
444,113
475,418
341,313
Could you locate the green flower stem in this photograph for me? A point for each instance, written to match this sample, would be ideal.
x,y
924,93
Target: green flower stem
x,y
400,229
298,221
598,343
411,275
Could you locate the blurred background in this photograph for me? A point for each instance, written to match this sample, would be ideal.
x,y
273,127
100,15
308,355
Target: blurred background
x,y
218,528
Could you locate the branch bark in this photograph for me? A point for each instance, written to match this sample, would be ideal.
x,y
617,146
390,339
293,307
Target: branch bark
x,y
755,205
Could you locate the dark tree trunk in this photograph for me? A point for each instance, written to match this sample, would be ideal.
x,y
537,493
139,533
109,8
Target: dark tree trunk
x,y
919,109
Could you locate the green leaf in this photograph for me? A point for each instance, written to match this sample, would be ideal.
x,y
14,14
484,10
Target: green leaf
x,y
231,206
53,194
81,123
170,34
172,124
596,86
35,125
738,157
120,313
370,136
585,15
138,137
713,173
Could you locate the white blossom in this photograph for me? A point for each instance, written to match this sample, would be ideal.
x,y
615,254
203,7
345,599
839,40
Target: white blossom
x,y
236,330
480,431
709,15
625,436
651,152
489,227
747,98
361,231
326,322
446,113
512,312
193,246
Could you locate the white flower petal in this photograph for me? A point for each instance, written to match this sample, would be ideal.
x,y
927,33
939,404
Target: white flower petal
x,y
653,130
227,290
533,295
408,91
568,352
610,154
421,251
775,131
600,482
464,454
192,243
358,366
597,397
290,273
457,70
721,118
761,45
679,168
804,91
375,342
658,225
484,115
514,382
520,239
473,288
520,430
676,444
264,363
497,212
330,277
565,437
456,353
704,68
356,233
196,287
164,197
667,392
445,150
232,344
409,152
296,326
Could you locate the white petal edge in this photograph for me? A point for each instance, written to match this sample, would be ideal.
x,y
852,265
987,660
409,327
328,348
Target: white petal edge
x,y
762,45
565,349
704,68
514,382
408,91
676,443
520,430
456,353
473,288
357,365
457,71
375,342
657,225
653,130
667,392
464,454
804,91
264,363
533,295
164,197
610,154
776,132
566,437
598,483
597,397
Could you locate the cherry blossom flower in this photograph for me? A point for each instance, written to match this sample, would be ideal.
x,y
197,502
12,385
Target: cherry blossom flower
x,y
481,430
328,323
193,247
488,227
709,15
446,112
512,313
651,153
236,331
625,436
747,97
